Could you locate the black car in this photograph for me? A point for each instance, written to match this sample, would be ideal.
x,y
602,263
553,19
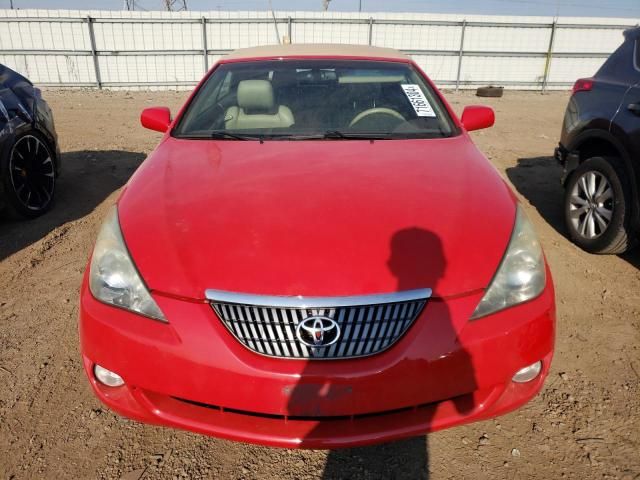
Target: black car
x,y
29,155
600,152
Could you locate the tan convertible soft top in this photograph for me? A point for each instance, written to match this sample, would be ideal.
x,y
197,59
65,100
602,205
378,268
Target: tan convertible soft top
x,y
316,50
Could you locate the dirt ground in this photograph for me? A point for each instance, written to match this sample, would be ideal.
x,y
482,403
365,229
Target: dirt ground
x,y
585,424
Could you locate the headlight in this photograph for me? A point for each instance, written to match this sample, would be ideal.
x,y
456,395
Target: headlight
x,y
521,275
113,277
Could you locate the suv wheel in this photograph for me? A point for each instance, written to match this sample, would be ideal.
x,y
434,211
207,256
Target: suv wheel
x,y
597,206
27,175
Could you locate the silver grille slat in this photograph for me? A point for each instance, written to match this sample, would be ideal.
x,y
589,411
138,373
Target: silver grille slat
x,y
339,317
291,333
365,331
356,330
346,332
263,331
281,338
368,324
273,338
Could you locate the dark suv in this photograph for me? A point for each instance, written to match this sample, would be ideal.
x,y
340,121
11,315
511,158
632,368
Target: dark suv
x,y
600,152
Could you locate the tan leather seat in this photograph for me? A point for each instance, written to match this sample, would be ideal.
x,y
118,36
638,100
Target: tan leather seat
x,y
256,108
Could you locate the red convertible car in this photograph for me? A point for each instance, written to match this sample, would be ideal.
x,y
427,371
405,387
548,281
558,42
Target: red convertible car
x,y
316,255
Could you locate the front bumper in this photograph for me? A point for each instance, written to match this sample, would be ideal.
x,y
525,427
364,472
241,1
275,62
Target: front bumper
x,y
192,374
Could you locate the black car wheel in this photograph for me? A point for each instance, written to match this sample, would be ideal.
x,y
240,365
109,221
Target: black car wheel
x,y
596,206
27,172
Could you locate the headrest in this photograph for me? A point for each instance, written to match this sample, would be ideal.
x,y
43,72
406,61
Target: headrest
x,y
255,95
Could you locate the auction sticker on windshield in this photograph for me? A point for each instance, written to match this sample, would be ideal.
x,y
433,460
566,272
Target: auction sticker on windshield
x,y
418,101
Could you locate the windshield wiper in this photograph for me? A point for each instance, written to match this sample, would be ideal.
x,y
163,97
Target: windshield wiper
x,y
332,135
233,136
337,134
329,134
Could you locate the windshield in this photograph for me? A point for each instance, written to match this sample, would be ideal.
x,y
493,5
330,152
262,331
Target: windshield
x,y
308,99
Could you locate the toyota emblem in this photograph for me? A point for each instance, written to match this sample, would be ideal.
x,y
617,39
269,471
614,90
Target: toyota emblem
x,y
318,331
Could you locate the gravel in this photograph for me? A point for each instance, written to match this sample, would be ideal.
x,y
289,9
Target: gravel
x,y
583,425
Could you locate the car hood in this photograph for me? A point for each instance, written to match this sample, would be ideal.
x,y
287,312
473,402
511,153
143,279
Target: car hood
x,y
316,218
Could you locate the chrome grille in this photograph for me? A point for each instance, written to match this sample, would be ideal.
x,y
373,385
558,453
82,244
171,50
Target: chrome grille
x,y
367,324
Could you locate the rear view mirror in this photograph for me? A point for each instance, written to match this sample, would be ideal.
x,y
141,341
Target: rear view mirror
x,y
476,117
156,118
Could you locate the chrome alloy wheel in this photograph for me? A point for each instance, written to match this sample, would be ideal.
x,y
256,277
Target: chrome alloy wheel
x,y
591,204
32,172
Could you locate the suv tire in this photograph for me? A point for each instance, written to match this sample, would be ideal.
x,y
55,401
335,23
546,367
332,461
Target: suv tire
x,y
597,203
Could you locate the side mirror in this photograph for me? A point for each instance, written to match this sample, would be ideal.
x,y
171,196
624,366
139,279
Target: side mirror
x,y
156,118
476,117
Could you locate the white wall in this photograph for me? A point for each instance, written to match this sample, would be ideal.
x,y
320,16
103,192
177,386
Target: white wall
x,y
134,54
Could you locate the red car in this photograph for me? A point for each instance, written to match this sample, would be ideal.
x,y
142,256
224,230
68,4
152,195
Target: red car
x,y
316,255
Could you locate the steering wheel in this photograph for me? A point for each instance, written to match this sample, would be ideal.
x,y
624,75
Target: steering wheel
x,y
381,111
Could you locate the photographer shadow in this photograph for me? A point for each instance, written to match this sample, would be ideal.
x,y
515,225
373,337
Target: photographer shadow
x,y
416,260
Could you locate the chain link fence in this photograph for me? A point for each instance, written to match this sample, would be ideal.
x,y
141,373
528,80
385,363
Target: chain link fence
x,y
159,50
